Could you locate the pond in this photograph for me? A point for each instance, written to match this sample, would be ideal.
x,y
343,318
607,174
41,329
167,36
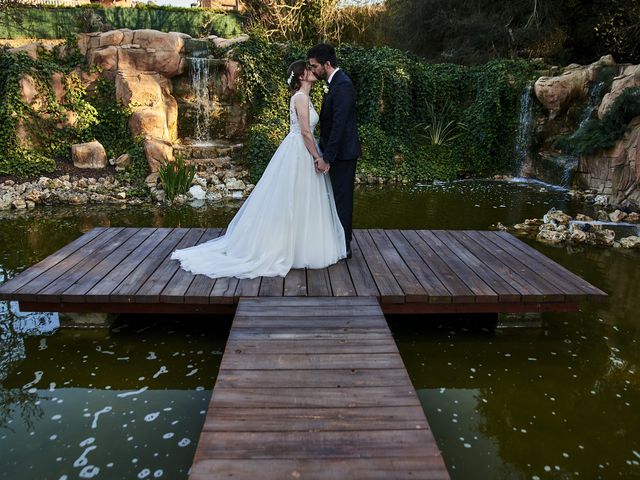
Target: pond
x,y
561,400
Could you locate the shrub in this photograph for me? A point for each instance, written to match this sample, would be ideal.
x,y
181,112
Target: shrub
x,y
601,134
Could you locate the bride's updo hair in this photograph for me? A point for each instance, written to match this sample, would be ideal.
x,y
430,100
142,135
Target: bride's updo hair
x,y
295,70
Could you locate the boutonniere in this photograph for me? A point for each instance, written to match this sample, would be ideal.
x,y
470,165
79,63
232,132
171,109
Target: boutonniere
x,y
325,89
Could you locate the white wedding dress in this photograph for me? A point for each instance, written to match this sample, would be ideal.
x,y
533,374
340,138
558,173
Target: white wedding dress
x,y
288,221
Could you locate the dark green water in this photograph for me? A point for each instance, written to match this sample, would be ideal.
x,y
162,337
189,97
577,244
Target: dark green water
x,y
560,401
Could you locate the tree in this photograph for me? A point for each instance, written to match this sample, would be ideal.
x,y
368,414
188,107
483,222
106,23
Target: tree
x,y
562,31
302,20
465,31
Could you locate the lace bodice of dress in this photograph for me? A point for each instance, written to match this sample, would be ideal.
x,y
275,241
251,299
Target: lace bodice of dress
x,y
294,125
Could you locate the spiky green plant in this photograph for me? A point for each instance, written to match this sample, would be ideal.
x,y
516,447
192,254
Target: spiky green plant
x,y
440,130
176,177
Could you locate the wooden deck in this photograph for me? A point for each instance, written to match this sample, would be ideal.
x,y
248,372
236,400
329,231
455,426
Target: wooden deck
x,y
314,388
408,271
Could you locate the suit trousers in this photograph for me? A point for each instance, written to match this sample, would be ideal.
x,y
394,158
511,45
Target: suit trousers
x,y
343,175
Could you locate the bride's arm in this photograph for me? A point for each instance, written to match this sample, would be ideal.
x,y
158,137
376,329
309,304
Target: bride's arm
x,y
301,104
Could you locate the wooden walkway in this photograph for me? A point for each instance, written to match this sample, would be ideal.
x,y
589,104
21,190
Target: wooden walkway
x,y
408,271
314,388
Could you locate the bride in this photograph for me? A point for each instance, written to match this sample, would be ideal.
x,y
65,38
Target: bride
x,y
289,220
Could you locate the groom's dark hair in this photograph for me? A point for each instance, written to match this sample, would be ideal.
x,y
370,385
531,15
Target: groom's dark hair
x,y
323,52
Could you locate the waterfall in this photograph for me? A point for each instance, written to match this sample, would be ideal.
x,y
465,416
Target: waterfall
x,y
200,84
525,124
594,101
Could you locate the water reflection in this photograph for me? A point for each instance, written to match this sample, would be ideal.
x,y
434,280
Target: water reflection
x,y
560,401
125,403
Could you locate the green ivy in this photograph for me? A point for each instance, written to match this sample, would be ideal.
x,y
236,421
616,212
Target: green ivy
x,y
395,92
134,176
52,125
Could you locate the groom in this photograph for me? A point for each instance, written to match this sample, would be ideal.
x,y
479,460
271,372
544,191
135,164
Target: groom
x,y
339,140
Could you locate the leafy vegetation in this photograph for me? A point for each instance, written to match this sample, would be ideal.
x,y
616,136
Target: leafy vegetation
x,y
36,132
472,33
396,91
176,177
308,21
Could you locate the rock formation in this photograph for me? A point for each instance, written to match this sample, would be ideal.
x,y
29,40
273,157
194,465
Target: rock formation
x,y
614,173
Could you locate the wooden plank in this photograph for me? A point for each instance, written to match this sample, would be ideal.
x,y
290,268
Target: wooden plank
x,y
249,419
247,287
426,467
304,333
271,287
150,290
362,279
314,445
460,292
437,308
298,320
340,279
224,290
176,288
341,345
77,292
102,290
310,301
571,291
297,378
10,286
295,283
127,290
481,291
413,290
531,286
318,282
199,291
54,292
311,361
505,292
434,288
310,311
315,397
550,268
390,290
29,292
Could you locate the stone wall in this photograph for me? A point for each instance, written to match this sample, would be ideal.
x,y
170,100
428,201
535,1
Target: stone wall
x,y
615,172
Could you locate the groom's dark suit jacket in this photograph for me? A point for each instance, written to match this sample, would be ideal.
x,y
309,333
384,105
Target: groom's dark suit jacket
x,y
338,130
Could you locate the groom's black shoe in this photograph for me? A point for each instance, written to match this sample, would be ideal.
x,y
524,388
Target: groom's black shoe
x,y
348,252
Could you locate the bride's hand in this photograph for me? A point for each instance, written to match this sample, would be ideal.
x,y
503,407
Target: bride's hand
x,y
322,166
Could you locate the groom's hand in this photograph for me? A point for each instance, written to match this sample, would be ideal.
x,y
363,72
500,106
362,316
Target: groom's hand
x,y
322,166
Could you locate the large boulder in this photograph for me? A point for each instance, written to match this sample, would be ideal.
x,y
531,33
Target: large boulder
x,y
89,155
156,111
172,41
629,78
157,153
141,89
105,58
149,122
31,49
28,89
135,51
557,93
